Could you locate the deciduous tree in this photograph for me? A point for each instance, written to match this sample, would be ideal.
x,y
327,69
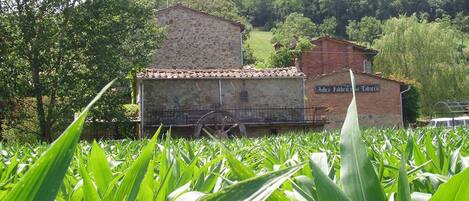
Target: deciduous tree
x,y
67,50
424,51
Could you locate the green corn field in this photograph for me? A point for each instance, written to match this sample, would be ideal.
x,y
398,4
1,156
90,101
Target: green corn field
x,y
353,164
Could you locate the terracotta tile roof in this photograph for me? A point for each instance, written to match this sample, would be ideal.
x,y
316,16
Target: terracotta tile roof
x,y
363,48
233,73
359,73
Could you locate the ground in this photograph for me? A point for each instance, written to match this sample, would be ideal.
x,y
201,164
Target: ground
x,y
259,41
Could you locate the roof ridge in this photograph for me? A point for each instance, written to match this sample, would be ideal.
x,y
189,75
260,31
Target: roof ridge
x,y
180,5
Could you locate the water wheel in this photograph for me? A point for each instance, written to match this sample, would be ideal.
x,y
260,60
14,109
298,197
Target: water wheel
x,y
220,124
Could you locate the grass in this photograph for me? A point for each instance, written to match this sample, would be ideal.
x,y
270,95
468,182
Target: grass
x,y
259,41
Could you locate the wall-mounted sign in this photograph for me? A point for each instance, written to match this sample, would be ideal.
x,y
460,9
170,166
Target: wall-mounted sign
x,y
347,88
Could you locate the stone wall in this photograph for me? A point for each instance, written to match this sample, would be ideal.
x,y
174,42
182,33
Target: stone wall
x,y
375,109
197,40
195,94
329,55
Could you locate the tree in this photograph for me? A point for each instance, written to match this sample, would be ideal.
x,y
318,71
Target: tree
x,y
64,51
295,26
285,56
284,8
424,51
327,27
365,31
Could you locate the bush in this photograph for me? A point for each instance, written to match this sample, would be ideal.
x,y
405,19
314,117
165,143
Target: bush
x,y
14,135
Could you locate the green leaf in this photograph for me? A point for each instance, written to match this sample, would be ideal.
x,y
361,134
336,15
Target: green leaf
x,y
89,191
190,196
403,189
43,180
357,174
146,188
431,152
241,171
326,189
419,157
257,188
99,167
134,175
455,189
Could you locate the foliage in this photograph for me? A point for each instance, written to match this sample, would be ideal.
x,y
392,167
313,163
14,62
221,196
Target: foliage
x,y
248,55
131,110
424,51
365,31
295,26
285,57
60,52
263,13
328,27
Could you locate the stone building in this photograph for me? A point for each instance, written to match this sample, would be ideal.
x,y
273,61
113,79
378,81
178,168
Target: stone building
x,y
179,97
327,84
198,40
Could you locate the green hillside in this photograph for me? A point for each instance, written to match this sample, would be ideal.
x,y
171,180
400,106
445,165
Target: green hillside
x,y
259,41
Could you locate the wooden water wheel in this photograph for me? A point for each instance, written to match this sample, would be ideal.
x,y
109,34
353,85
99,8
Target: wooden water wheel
x,y
220,124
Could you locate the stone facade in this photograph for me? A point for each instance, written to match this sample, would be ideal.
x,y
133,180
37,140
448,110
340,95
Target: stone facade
x,y
375,109
191,95
198,40
330,55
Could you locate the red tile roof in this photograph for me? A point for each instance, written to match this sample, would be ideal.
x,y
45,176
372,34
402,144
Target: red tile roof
x,y
246,73
360,47
359,73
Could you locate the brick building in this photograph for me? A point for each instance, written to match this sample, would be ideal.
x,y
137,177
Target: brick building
x,y
332,54
327,84
198,40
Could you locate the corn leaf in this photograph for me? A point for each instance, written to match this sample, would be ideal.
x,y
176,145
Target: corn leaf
x,y
43,180
326,189
146,188
455,189
403,189
99,167
134,175
357,173
254,189
241,171
89,191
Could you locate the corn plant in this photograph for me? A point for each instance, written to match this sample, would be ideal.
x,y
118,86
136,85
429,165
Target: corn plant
x,y
353,164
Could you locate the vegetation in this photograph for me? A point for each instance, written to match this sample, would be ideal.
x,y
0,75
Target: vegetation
x,y
427,52
366,30
259,41
388,164
59,52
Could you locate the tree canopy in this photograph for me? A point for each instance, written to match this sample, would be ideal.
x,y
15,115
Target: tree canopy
x,y
63,52
427,52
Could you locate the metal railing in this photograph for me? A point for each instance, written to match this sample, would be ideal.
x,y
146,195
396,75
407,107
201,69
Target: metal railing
x,y
244,115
